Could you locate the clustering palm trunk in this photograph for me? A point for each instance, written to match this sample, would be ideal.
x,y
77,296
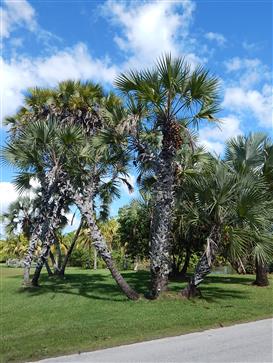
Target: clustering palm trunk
x,y
51,223
204,265
85,204
40,231
30,253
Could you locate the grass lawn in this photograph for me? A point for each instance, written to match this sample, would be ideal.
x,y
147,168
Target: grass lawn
x,y
86,311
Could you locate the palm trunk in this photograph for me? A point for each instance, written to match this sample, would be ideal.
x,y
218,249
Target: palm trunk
x,y
161,228
49,238
70,250
29,256
186,262
203,267
50,273
95,259
59,256
49,185
261,274
86,208
53,261
40,264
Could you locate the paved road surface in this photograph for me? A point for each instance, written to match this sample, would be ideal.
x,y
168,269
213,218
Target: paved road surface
x,y
250,342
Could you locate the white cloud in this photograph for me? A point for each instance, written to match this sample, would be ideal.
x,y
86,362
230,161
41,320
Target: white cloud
x,y
248,90
251,46
148,29
16,14
249,72
71,63
259,103
213,137
8,194
217,37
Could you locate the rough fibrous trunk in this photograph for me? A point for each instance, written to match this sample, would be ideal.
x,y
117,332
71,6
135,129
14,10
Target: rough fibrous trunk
x,y
84,203
49,186
161,225
204,265
59,196
30,253
261,274
51,223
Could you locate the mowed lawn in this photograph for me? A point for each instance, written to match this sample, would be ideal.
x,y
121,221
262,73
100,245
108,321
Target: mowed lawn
x,y
86,311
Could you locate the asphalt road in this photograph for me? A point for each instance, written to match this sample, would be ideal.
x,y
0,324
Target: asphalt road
x,y
250,342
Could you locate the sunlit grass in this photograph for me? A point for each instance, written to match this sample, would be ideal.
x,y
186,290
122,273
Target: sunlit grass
x,y
86,311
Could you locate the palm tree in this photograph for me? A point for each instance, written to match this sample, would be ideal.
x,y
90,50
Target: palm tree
x,y
163,102
77,169
253,154
36,150
235,215
19,216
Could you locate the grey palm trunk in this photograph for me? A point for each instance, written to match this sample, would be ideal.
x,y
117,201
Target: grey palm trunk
x,y
204,265
54,196
84,201
39,232
30,253
163,210
161,225
50,225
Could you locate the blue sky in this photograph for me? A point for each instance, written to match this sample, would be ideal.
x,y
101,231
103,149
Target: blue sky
x,y
43,42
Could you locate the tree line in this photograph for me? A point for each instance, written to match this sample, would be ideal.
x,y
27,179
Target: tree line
x,y
79,143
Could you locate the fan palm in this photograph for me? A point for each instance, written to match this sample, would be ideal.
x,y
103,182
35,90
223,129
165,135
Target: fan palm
x,y
253,154
232,211
36,151
163,102
81,168
19,216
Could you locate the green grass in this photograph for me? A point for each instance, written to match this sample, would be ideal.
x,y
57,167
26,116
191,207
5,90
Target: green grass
x,y
86,311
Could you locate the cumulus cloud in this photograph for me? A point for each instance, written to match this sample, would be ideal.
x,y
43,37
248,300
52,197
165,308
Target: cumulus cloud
x,y
16,14
213,137
248,91
148,29
258,103
216,37
71,63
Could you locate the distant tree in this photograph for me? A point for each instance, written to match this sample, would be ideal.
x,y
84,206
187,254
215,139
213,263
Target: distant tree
x,y
134,229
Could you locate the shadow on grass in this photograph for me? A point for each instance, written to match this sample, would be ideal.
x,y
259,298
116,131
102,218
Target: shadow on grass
x,y
100,287
93,286
218,279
